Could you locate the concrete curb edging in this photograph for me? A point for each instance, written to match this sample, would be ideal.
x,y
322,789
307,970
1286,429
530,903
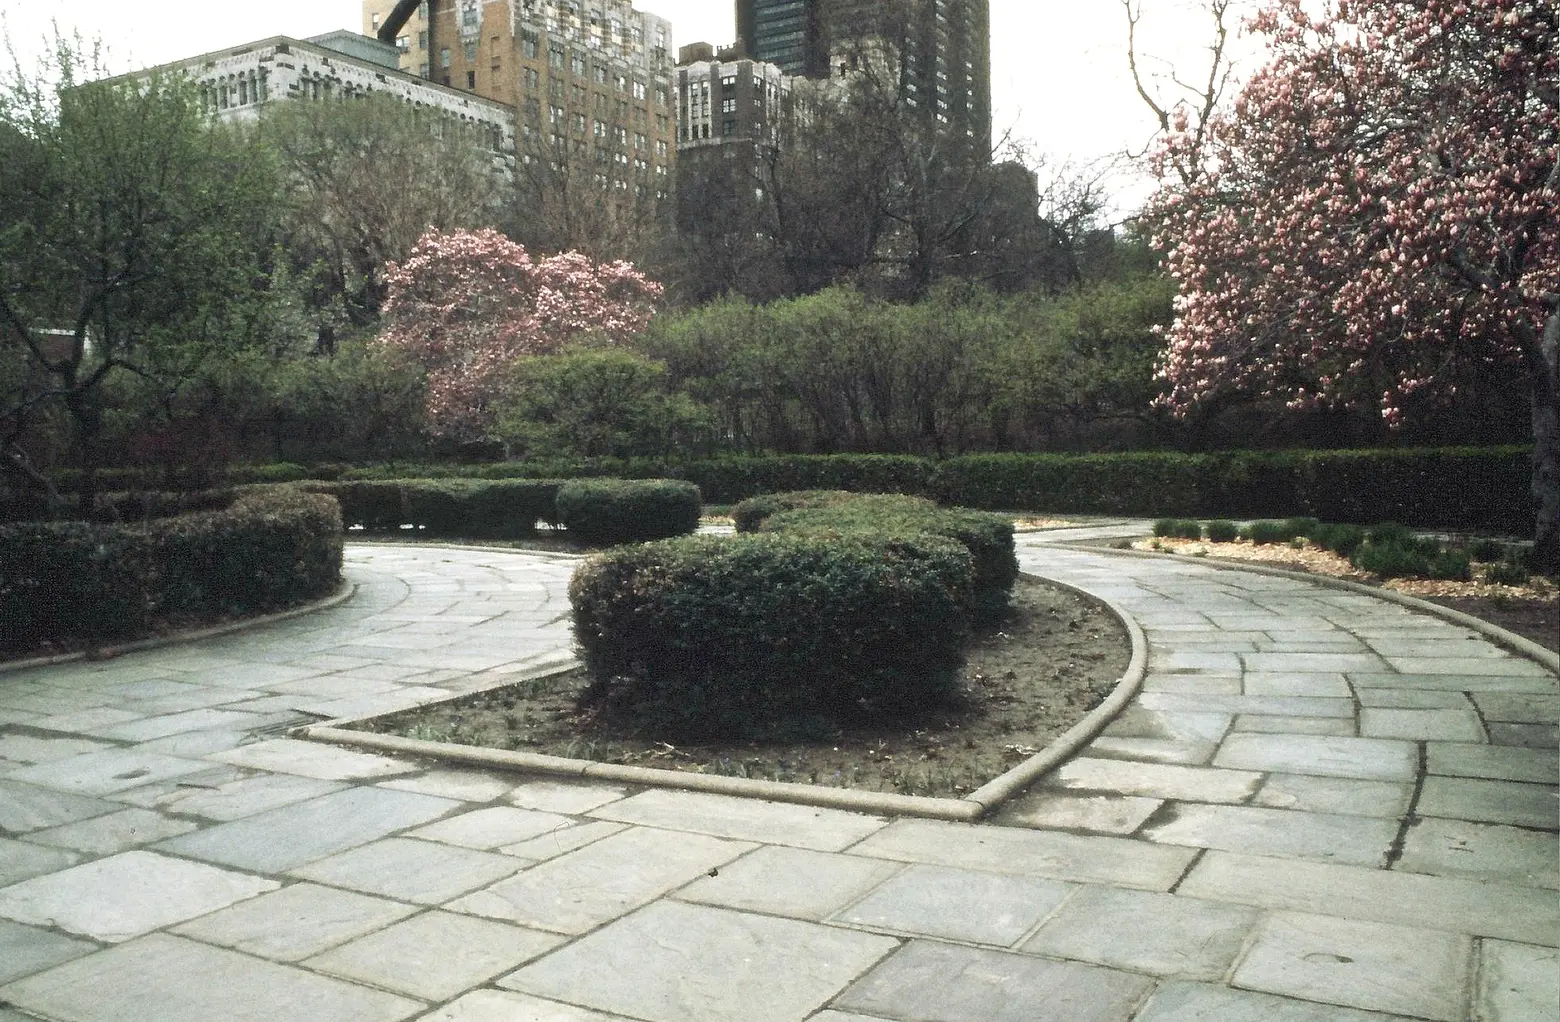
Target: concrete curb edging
x,y
999,790
968,809
1495,633
343,593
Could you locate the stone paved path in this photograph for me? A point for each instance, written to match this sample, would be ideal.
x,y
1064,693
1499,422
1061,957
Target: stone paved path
x,y
1322,807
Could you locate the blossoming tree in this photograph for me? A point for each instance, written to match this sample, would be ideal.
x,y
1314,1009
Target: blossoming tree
x,y
465,305
1376,216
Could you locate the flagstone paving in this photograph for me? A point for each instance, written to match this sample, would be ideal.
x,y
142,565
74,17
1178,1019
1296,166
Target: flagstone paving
x,y
1322,807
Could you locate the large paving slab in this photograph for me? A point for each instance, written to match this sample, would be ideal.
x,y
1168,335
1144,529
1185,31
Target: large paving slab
x,y
1141,931
295,922
172,979
672,962
826,830
796,882
958,904
949,983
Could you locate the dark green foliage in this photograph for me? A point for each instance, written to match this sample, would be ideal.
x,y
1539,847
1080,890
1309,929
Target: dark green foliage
x,y
1340,539
608,511
1393,559
1177,528
80,581
1452,565
751,514
731,635
1297,528
474,508
1391,533
727,480
1492,490
1507,573
987,537
1263,533
1487,551
1221,530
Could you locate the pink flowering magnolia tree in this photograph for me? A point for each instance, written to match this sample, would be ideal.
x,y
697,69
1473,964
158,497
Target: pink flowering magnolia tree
x,y
466,305
1377,215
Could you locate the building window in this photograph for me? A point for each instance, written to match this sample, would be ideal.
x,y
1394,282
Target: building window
x,y
729,83
422,70
471,51
471,80
403,43
729,128
530,44
555,57
578,65
422,40
728,106
533,78
639,89
444,58
373,19
601,129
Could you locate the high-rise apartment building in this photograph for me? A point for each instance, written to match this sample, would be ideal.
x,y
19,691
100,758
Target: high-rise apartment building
x,y
941,48
591,81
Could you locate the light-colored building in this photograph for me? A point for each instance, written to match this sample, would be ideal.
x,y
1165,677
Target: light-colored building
x,y
591,81
237,83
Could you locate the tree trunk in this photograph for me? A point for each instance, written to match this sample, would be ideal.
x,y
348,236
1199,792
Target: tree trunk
x,y
1546,450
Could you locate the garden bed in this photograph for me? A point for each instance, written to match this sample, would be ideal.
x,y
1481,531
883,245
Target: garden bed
x,y
1531,611
1054,657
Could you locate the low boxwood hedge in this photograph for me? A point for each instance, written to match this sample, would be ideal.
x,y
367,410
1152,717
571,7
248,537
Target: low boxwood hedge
x,y
608,511
477,508
732,636
72,582
751,514
987,537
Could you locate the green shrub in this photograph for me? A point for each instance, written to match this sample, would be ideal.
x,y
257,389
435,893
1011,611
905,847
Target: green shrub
x,y
729,636
476,508
750,514
1391,533
1221,530
1507,574
1262,533
987,537
1487,551
1300,528
608,511
1395,559
64,582
1451,565
1340,539
1177,528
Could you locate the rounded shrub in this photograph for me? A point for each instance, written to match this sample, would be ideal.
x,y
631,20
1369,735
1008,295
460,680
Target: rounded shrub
x,y
1487,551
1223,531
1342,540
1398,559
1299,528
1264,533
733,636
1177,528
67,582
609,511
1507,573
988,537
750,514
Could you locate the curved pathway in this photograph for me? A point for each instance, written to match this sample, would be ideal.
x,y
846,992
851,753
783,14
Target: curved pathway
x,y
1321,807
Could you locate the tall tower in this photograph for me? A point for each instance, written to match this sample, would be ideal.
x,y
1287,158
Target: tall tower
x,y
943,49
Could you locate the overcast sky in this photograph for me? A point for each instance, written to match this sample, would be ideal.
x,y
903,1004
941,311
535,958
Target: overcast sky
x,y
1059,75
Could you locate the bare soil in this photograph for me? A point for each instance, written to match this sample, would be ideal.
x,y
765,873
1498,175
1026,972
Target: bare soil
x,y
1531,611
1052,660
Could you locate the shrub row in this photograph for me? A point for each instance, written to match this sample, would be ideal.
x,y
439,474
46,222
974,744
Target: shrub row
x,y
607,511
490,509
732,636
86,582
830,513
600,511
1463,488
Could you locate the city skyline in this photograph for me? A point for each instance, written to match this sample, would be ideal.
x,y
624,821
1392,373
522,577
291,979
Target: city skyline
x,y
1059,78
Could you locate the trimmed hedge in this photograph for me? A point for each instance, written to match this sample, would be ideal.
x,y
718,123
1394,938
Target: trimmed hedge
x,y
1477,489
476,508
609,511
750,515
81,581
987,537
730,636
